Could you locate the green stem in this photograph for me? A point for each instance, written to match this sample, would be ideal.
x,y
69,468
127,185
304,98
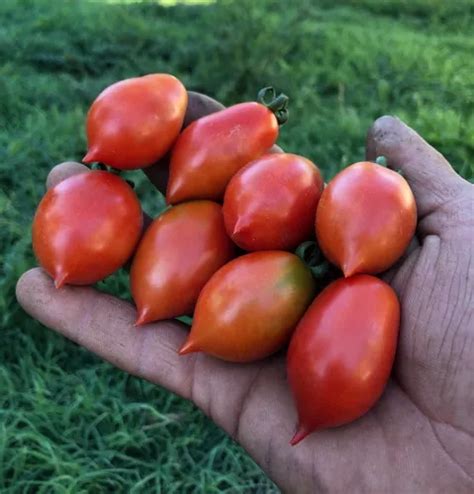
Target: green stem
x,y
186,320
311,255
381,160
276,104
308,251
321,270
115,171
98,166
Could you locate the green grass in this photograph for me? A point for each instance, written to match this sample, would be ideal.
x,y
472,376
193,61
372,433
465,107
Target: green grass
x,y
70,423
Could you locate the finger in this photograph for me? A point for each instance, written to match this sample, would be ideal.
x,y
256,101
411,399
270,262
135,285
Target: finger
x,y
275,149
234,396
431,177
64,170
105,325
199,105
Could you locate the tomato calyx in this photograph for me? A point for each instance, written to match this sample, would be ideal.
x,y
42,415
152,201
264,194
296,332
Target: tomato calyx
x,y
382,161
277,104
310,253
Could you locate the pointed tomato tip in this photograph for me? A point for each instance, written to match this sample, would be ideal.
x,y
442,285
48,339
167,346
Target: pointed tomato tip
x,y
60,280
349,270
177,192
236,231
188,347
239,227
300,434
142,318
90,157
171,197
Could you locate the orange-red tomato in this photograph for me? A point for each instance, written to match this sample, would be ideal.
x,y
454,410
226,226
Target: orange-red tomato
x,y
86,227
134,122
213,148
178,254
365,219
250,307
342,351
271,202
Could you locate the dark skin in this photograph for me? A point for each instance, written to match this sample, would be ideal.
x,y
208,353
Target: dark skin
x,y
418,438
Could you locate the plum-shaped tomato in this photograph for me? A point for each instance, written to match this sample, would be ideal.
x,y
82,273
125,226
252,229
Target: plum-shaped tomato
x,y
342,351
365,219
86,227
134,122
178,254
250,307
271,202
213,148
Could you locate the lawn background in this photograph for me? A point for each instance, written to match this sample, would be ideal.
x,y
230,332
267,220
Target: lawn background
x,y
70,423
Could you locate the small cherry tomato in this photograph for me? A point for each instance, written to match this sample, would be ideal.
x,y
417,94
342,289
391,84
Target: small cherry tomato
x,y
271,202
342,351
178,254
365,219
213,148
134,122
86,227
250,307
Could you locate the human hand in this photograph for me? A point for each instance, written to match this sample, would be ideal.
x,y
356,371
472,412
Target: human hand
x,y
418,437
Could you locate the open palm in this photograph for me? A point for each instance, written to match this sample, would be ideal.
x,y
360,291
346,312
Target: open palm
x,y
420,435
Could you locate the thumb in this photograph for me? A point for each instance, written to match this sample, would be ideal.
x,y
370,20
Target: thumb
x,y
431,177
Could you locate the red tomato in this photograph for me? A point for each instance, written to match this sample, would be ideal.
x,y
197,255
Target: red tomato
x,y
271,203
178,254
250,307
134,122
365,219
342,351
213,148
86,227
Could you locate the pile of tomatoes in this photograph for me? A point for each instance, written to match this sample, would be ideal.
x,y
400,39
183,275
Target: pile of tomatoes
x,y
253,245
